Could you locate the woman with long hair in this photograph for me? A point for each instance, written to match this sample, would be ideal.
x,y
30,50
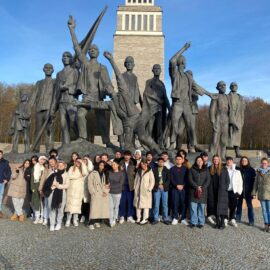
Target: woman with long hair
x,y
99,190
199,180
248,175
212,199
75,191
143,186
18,190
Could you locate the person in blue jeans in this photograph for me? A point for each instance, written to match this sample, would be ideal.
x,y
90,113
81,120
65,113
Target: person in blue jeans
x,y
199,180
5,174
161,188
262,189
178,180
248,175
126,208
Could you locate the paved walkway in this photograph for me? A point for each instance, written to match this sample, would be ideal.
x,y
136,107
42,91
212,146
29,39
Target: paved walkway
x,y
128,246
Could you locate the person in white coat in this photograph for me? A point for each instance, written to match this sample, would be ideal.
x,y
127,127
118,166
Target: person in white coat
x,y
234,191
143,186
75,192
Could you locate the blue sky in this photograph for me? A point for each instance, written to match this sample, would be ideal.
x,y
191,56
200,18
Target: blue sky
x,y
230,38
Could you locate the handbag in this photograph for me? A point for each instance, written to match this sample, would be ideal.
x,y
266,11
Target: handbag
x,y
198,194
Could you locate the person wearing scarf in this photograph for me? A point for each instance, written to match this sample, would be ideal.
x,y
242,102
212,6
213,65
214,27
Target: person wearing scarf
x,y
55,190
143,186
262,189
99,191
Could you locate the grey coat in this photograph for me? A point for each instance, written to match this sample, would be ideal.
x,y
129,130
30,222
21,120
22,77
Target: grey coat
x,y
262,186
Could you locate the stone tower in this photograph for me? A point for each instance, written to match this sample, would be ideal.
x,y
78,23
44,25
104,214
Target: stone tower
x,y
139,34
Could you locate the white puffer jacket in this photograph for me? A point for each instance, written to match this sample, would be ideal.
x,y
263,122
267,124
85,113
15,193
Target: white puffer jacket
x,y
236,181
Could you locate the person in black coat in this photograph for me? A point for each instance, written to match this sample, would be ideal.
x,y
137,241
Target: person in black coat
x,y
199,180
212,199
248,174
161,188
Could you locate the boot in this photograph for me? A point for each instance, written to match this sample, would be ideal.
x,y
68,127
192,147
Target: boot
x,y
222,223
14,217
218,221
1,214
21,218
266,228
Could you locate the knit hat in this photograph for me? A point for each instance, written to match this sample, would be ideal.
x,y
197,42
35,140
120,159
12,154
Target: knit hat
x,y
42,157
138,152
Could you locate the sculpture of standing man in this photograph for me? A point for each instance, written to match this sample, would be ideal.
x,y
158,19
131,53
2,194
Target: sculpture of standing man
x,y
94,83
237,117
66,90
155,106
219,117
42,99
21,124
182,87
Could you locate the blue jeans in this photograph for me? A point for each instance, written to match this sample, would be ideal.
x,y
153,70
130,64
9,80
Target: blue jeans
x,y
164,198
2,189
178,203
197,213
249,206
266,211
126,208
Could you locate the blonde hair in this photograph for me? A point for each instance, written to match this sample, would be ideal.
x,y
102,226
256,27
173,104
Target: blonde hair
x,y
216,170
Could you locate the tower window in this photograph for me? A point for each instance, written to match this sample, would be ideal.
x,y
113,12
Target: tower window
x,y
133,23
127,22
151,22
139,22
145,22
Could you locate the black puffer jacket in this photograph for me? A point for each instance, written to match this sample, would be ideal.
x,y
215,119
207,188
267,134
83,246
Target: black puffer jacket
x,y
199,178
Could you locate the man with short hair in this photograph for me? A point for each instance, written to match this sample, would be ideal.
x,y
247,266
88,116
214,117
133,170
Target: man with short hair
x,y
126,208
205,158
234,191
5,174
178,179
167,163
150,160
161,188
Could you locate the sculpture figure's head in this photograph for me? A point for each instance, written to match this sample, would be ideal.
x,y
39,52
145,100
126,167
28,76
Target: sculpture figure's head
x,y
234,87
181,62
67,59
129,63
221,87
24,97
156,70
190,73
48,69
93,51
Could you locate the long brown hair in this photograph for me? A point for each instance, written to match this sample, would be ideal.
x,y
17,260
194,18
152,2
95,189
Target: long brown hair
x,y
213,169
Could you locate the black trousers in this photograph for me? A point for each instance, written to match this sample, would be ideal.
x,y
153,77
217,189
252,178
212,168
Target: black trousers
x,y
233,201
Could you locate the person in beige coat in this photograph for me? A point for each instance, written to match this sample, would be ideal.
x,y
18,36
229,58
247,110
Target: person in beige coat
x,y
144,183
99,191
86,198
17,190
75,192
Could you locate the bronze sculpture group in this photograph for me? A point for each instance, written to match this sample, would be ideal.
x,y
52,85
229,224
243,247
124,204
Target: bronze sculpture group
x,y
83,84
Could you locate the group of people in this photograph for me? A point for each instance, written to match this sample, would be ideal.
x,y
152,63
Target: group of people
x,y
135,189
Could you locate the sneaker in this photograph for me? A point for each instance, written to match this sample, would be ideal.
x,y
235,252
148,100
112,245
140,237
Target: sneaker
x,y
233,223
97,225
167,222
57,227
91,227
200,226
51,228
45,222
226,222
82,220
191,226
155,222
67,224
143,222
130,220
40,221
112,224
175,221
184,221
122,220
210,219
138,221
75,223
36,221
